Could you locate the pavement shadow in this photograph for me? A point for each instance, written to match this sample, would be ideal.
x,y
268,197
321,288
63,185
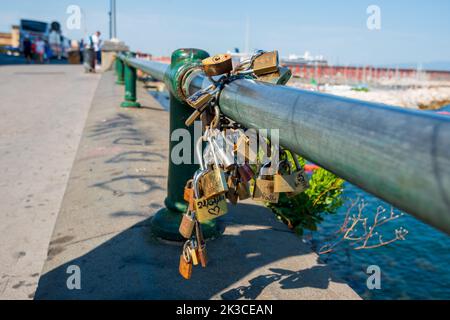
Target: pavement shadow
x,y
134,265
316,277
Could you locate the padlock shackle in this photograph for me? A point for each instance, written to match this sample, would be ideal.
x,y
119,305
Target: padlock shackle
x,y
268,163
195,185
198,150
226,160
285,163
186,253
298,167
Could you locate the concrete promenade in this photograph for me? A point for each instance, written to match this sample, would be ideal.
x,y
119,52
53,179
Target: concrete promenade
x,y
42,114
118,182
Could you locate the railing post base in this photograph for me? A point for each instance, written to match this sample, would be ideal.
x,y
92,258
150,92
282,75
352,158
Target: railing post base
x,y
166,222
130,104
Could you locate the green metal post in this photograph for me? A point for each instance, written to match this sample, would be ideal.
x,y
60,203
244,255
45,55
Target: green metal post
x,y
166,222
130,86
120,71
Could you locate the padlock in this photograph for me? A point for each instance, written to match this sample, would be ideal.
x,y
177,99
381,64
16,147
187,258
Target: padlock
x,y
294,181
245,152
280,77
213,181
217,65
301,180
199,100
284,180
226,159
192,247
185,267
245,172
266,63
188,194
264,188
232,196
243,190
207,209
187,224
201,245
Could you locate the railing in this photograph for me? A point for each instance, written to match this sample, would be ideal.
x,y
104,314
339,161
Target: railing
x,y
399,155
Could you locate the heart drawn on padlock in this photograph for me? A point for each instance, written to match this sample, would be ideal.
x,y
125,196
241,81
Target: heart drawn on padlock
x,y
214,211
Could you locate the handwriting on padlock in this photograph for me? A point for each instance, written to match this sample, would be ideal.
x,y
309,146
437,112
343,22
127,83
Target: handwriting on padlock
x,y
201,203
208,209
214,211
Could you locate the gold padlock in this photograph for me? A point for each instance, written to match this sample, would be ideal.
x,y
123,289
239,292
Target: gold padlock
x,y
217,65
280,77
284,180
264,188
187,224
207,209
266,63
301,180
210,208
199,100
213,181
294,181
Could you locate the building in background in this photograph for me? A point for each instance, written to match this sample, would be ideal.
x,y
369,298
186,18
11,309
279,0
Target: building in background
x,y
10,41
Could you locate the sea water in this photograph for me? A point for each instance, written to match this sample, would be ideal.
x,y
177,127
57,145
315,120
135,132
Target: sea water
x,y
416,268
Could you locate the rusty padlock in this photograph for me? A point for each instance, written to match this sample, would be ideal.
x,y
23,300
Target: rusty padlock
x,y
217,65
188,194
185,266
187,224
266,63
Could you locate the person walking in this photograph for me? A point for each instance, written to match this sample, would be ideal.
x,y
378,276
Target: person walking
x,y
54,39
40,50
48,52
27,51
82,51
96,45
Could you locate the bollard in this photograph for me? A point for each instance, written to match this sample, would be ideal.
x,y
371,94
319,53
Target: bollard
x,y
120,71
130,85
167,220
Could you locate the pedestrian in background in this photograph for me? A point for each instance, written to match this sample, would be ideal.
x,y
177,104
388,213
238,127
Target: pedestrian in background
x,y
40,50
27,50
96,45
48,52
54,39
81,51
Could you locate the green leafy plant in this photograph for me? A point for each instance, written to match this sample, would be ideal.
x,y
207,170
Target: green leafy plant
x,y
305,211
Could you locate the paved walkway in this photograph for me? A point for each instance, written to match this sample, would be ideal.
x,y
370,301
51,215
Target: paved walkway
x,y
42,114
118,182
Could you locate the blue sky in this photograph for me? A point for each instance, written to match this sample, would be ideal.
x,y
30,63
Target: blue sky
x,y
411,31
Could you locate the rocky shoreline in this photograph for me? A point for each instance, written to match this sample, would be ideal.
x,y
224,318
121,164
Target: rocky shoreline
x,y
425,97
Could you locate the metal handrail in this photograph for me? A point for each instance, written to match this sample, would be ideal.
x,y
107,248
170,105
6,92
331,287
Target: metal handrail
x,y
399,155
